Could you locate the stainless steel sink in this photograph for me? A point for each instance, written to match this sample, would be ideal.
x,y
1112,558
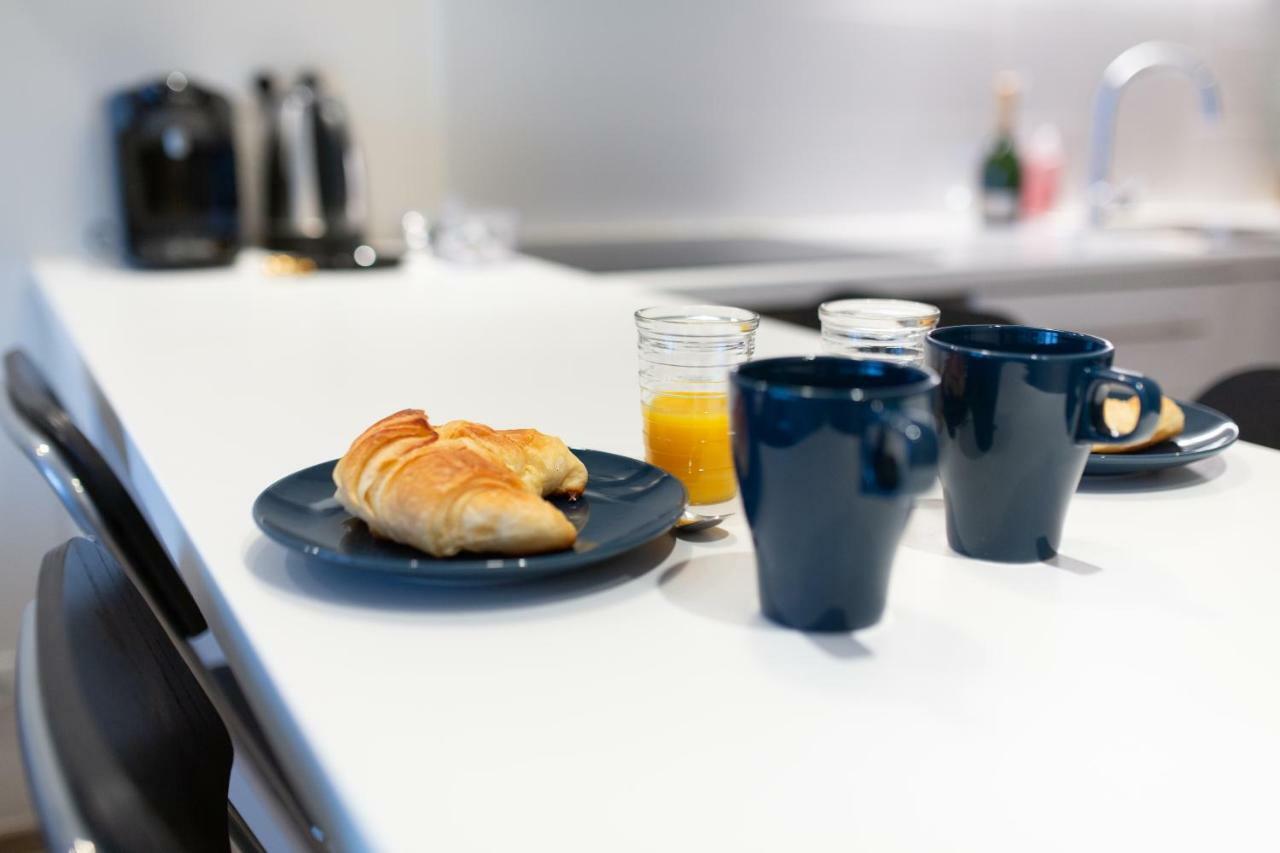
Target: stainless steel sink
x,y
1230,235
1207,237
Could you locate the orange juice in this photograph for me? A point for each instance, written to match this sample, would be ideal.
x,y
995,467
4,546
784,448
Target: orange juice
x,y
687,435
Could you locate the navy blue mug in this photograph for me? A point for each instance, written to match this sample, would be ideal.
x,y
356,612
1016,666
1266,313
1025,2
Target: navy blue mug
x,y
829,452
1018,409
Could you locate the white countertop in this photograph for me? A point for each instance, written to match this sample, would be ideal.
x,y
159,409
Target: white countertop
x,y
1125,697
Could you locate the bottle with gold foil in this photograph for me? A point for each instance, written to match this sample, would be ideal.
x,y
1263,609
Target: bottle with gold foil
x,y
1001,173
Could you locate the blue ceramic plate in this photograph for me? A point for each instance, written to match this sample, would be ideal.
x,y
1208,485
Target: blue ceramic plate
x,y
627,503
1207,432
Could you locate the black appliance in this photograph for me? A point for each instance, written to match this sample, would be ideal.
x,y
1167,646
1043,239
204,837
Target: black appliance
x,y
315,196
176,164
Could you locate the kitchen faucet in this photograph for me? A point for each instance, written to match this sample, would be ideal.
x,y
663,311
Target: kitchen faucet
x,y
1103,194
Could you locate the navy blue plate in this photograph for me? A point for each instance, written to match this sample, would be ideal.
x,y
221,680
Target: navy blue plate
x,y
1206,433
627,503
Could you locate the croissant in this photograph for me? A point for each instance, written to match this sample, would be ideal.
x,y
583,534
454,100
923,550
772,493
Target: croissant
x,y
459,487
1122,416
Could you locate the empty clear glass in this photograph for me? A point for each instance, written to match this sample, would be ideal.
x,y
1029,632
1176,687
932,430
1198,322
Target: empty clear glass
x,y
464,236
884,329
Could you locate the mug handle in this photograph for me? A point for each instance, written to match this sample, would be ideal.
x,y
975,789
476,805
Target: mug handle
x,y
900,455
1092,428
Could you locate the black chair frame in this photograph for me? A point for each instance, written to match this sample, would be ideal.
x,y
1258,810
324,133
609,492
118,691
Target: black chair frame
x,y
101,505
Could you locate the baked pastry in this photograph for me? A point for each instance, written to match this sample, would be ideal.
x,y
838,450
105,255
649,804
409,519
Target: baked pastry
x,y
461,487
1122,416
542,462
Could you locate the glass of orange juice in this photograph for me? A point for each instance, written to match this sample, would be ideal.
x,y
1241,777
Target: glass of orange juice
x,y
686,354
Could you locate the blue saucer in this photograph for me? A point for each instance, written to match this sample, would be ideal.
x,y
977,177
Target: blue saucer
x,y
627,503
1207,432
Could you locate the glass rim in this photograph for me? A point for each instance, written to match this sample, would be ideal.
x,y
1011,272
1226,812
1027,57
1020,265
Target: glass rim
x,y
698,320
906,309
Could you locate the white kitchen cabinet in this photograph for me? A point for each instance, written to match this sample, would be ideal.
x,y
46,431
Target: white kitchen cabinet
x,y
1185,338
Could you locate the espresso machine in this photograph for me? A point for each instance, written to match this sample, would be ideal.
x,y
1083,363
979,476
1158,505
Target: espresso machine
x,y
176,174
314,173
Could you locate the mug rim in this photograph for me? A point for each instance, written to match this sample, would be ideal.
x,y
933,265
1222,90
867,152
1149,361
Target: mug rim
x,y
933,339
923,381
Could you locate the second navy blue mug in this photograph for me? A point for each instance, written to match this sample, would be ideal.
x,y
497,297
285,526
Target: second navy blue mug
x,y
1018,409
829,453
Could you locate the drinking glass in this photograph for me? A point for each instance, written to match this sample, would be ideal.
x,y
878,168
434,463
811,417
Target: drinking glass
x,y
882,329
686,353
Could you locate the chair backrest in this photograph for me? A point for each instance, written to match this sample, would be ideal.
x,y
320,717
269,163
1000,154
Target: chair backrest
x,y
122,521
1252,400
103,507
142,760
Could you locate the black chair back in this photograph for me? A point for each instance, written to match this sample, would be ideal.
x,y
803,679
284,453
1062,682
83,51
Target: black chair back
x,y
142,758
1252,400
120,516
103,506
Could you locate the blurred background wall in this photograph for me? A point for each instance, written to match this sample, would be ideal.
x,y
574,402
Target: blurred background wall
x,y
589,110
578,110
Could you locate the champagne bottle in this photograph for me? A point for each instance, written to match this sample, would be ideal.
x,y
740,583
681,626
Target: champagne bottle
x,y
1001,176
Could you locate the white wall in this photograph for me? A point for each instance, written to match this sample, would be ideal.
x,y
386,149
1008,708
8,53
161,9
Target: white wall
x,y
58,59
580,110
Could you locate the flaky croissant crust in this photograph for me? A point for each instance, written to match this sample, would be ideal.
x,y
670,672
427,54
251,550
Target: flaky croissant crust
x,y
459,487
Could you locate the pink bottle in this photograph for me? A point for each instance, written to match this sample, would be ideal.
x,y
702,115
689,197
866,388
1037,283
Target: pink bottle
x,y
1042,162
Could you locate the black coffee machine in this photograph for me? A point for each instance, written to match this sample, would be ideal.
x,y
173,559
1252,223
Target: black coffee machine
x,y
176,165
315,193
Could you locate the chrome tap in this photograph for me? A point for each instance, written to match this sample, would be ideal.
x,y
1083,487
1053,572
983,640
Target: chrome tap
x,y
1137,60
